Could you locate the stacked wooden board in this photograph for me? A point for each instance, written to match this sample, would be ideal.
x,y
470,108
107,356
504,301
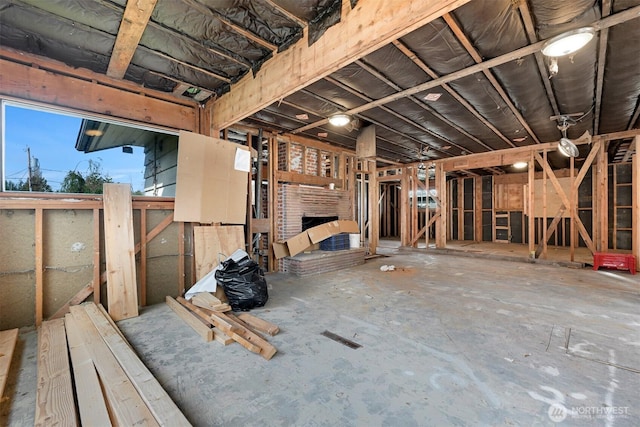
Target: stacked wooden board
x,y
109,386
8,341
245,329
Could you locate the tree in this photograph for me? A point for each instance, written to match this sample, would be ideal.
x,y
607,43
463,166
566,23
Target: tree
x,y
91,182
38,182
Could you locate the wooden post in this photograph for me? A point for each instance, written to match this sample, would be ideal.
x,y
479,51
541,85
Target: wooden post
x,y
143,257
441,222
97,281
460,182
573,199
544,209
603,206
39,265
404,208
477,209
374,211
530,201
635,211
273,202
181,275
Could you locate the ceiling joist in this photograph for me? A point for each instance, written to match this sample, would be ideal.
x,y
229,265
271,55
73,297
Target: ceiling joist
x,y
364,29
134,21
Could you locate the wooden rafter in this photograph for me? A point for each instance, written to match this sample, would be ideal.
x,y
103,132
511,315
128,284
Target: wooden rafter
x,y
286,13
608,22
602,57
413,57
366,28
236,28
134,21
464,40
542,68
425,107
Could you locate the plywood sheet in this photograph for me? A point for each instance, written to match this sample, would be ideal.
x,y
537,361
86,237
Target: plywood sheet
x,y
215,243
554,203
212,177
122,291
8,341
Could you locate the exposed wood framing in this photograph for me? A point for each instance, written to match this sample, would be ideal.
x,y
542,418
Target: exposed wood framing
x,y
610,21
461,36
39,264
602,56
635,237
142,273
23,82
97,282
364,29
542,68
134,21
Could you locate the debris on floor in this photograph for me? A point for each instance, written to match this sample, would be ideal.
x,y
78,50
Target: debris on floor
x,y
205,312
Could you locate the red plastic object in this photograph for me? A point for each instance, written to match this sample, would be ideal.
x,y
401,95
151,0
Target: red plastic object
x,y
610,260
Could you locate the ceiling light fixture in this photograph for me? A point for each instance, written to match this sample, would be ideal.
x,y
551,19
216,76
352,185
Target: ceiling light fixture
x,y
340,119
568,148
520,165
568,42
93,132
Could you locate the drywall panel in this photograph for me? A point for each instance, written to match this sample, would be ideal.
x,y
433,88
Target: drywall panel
x,y
212,180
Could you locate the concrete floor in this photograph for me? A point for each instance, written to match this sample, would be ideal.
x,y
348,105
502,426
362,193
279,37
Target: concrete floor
x,y
446,340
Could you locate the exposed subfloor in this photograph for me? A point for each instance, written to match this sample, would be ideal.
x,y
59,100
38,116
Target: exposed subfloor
x,y
446,340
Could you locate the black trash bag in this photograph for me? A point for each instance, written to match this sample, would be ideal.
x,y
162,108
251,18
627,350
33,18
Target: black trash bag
x,y
243,283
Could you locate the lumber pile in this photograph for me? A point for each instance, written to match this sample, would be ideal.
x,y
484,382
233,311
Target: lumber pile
x,y
245,329
112,386
8,341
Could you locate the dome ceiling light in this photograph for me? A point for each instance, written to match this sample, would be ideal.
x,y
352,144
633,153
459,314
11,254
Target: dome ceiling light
x,y
568,42
340,120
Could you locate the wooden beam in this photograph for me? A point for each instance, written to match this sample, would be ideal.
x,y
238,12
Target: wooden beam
x,y
142,274
542,68
78,298
530,203
54,395
97,282
635,206
548,231
412,56
259,324
33,84
441,223
134,21
190,319
8,341
462,37
602,56
610,21
366,28
181,255
633,148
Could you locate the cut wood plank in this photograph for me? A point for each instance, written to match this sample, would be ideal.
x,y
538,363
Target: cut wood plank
x,y
122,398
224,326
267,350
218,335
239,321
82,295
194,322
8,341
259,324
210,302
166,412
91,401
54,395
122,290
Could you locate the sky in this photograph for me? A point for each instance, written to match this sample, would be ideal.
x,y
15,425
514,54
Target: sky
x,y
51,137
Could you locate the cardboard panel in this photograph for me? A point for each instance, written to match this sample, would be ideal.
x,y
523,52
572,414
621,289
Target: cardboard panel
x,y
312,236
211,183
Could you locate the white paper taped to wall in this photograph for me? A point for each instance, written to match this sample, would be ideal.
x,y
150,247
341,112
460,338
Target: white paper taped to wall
x,y
243,160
